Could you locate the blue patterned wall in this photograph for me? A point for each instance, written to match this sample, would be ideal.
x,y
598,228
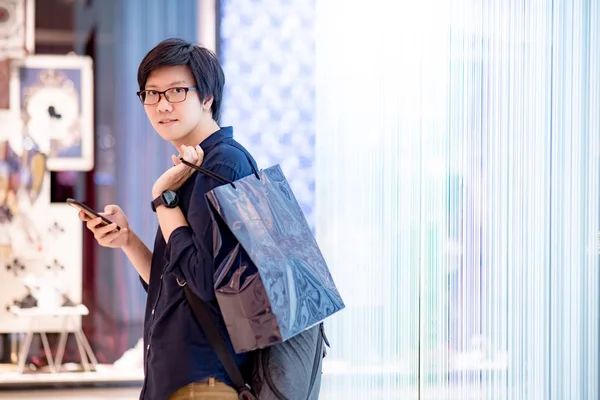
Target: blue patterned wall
x,y
268,55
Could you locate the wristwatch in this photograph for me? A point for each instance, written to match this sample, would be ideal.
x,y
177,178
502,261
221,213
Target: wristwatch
x,y
168,199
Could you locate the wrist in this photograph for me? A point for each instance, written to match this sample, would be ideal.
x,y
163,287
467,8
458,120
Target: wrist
x,y
129,240
156,193
168,199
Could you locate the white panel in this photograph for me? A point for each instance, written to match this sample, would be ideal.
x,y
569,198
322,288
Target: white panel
x,y
54,261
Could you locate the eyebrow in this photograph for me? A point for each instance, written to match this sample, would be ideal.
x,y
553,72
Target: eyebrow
x,y
172,84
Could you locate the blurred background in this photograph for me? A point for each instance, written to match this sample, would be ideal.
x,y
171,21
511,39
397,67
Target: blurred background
x,y
446,154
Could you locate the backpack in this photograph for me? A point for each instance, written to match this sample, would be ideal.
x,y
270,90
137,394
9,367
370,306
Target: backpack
x,y
290,370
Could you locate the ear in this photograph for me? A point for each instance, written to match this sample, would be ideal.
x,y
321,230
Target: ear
x,y
207,104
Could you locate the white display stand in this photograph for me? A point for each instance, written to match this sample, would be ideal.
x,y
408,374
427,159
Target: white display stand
x,y
69,318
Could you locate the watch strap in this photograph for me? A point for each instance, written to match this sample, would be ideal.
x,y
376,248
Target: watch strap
x,y
159,201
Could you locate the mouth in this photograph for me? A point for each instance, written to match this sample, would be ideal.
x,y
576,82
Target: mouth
x,y
167,121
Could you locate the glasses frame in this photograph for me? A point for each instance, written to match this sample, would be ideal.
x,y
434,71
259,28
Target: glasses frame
x,y
164,94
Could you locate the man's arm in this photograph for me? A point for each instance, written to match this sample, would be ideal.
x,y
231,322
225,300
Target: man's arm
x,y
126,239
139,255
189,243
169,219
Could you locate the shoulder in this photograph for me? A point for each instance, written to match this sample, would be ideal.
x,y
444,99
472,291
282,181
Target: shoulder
x,y
230,160
229,154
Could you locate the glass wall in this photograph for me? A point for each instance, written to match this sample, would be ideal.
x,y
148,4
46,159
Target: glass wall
x,y
457,160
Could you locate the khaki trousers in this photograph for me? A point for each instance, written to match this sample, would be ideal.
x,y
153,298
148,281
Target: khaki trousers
x,y
211,390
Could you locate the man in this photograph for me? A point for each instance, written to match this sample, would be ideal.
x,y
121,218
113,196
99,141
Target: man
x,y
181,87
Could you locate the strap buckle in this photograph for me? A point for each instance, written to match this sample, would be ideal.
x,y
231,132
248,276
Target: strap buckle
x,y
245,393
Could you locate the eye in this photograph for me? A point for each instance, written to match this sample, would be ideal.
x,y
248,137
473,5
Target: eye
x,y
151,92
179,90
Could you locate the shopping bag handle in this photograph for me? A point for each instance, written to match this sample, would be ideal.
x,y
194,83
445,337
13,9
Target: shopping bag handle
x,y
207,172
218,177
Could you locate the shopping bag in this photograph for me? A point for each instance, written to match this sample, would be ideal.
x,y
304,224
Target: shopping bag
x,y
275,283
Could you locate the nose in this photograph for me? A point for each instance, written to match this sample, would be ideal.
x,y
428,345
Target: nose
x,y
163,105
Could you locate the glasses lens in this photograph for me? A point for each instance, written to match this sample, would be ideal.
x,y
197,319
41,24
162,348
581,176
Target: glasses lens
x,y
149,97
176,95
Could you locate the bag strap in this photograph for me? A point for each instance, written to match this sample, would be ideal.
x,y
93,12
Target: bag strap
x,y
199,309
219,346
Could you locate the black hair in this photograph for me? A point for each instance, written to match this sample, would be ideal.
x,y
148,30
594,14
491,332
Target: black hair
x,y
203,63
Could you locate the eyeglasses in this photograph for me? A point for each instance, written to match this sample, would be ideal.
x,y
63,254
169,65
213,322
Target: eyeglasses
x,y
173,95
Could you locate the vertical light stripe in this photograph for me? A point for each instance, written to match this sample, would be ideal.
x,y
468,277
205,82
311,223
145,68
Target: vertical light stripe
x,y
207,24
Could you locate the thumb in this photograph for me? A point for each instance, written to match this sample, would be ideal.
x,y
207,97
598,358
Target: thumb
x,y
111,209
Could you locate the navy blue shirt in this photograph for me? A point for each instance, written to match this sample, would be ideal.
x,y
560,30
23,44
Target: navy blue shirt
x,y
176,350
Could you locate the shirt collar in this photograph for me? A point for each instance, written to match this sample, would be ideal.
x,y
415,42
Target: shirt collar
x,y
216,138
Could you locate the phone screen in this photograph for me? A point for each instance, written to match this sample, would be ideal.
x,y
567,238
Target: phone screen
x,y
89,212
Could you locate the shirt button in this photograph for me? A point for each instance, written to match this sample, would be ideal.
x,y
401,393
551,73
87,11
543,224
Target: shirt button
x,y
161,276
153,311
148,347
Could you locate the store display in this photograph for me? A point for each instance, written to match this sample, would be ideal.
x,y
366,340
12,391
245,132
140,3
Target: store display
x,y
45,125
53,94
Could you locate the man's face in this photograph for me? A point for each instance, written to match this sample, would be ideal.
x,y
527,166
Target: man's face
x,y
174,121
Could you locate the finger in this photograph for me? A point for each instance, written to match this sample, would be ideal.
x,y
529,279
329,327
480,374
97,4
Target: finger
x,y
188,154
104,230
93,223
176,161
200,154
187,159
83,216
111,209
112,237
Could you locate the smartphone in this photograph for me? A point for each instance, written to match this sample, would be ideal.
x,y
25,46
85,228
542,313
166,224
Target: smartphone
x,y
89,212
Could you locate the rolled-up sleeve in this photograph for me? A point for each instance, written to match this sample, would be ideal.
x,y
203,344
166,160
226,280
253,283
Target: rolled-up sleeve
x,y
189,252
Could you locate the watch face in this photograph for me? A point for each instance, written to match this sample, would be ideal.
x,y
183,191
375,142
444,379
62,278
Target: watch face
x,y
170,198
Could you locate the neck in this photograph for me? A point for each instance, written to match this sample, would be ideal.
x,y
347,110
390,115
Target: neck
x,y
198,135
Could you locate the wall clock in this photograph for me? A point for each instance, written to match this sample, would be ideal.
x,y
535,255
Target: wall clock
x,y
51,113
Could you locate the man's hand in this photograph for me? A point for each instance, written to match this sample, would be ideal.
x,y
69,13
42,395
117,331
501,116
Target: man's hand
x,y
126,239
176,176
107,235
